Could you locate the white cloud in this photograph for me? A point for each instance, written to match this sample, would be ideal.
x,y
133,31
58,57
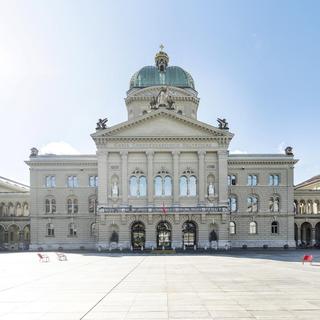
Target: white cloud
x,y
58,148
281,147
238,152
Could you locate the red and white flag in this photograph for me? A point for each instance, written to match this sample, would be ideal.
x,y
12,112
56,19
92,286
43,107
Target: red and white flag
x,y
164,209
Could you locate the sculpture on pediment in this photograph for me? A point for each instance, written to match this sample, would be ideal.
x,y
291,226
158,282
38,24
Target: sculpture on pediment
x,y
223,124
102,124
163,100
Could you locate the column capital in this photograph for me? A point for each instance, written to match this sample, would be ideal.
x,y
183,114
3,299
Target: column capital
x,y
123,154
201,153
175,153
150,153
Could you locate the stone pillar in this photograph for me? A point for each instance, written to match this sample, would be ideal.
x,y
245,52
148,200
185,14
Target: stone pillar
x,y
150,177
223,175
202,179
102,174
313,236
124,181
175,155
298,235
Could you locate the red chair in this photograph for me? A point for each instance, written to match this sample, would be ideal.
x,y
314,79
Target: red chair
x,y
43,257
307,258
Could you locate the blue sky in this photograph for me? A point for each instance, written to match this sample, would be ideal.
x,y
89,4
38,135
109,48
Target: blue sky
x,y
64,64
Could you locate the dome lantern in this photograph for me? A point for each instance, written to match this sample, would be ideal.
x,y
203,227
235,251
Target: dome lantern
x,y
161,59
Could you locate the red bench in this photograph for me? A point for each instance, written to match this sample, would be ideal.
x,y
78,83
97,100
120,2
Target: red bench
x,y
307,258
43,257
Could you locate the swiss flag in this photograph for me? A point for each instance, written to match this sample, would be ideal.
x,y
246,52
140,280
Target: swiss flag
x,y
164,209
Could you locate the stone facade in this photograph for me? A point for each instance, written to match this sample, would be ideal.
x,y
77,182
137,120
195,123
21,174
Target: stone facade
x,y
163,179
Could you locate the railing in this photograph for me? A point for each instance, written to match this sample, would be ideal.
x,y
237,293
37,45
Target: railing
x,y
132,209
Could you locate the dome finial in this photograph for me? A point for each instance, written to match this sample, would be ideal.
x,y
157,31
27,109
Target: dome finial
x,y
161,59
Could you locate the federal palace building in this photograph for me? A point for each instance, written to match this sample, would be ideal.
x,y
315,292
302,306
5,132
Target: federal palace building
x,y
160,180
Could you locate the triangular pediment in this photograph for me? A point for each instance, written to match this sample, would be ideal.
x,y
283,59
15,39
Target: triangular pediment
x,y
162,124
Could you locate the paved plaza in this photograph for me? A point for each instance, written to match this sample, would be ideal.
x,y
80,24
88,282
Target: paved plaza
x,y
243,285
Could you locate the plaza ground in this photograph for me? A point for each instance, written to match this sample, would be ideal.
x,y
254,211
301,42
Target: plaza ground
x,y
241,285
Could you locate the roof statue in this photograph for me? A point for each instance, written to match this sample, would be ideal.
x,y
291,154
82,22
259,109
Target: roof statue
x,y
34,152
101,124
223,124
288,151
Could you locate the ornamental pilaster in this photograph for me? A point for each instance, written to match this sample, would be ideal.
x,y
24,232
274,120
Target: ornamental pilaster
x,y
102,174
150,156
201,158
175,157
223,173
124,176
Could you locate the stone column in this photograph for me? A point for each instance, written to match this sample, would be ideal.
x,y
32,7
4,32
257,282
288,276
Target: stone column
x,y
175,155
202,179
313,236
223,174
102,174
298,234
150,177
124,182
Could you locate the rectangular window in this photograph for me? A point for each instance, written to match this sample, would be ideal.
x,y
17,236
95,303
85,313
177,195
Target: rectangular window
x,y
232,180
274,180
50,181
93,181
72,181
252,180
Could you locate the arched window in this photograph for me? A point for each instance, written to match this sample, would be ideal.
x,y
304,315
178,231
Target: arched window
x,y
11,209
316,207
50,204
189,234
138,184
252,204
18,209
167,186
188,184
274,227
163,184
72,205
252,227
50,230
2,209
232,227
183,186
309,206
274,203
25,209
72,230
93,204
233,203
142,186
302,207
133,183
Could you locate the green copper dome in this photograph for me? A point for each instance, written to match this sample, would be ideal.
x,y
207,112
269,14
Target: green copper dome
x,y
161,74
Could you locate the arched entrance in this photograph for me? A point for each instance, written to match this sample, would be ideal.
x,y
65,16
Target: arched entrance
x,y
138,235
164,235
306,233
189,234
318,233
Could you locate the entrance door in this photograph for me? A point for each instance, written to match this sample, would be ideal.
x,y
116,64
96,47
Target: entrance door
x,y
138,235
189,235
164,235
